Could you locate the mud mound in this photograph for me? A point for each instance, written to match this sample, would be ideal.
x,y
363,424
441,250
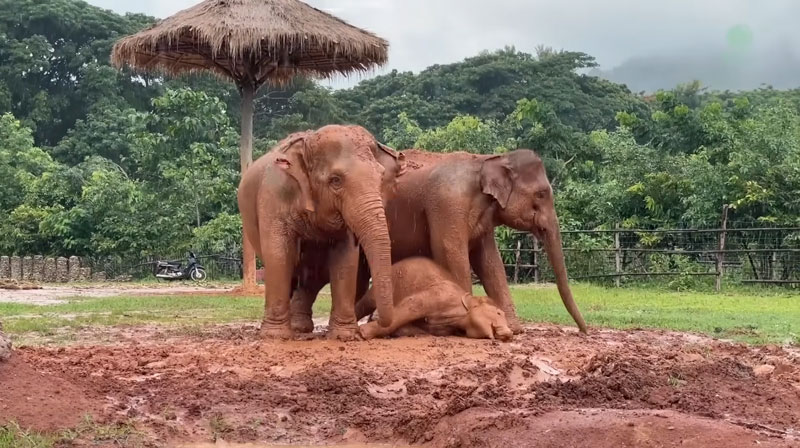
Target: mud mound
x,y
40,400
226,383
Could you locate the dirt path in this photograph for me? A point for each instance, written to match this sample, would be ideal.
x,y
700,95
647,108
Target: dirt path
x,y
550,387
50,295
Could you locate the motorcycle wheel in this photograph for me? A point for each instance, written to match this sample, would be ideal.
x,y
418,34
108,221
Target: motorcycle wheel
x,y
198,274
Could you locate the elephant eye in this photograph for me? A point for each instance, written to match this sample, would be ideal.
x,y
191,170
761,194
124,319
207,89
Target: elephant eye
x,y
335,181
541,194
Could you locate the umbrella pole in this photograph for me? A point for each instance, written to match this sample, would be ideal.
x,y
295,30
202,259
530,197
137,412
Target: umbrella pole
x,y
246,159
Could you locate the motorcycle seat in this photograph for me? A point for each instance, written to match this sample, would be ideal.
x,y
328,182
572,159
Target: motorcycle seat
x,y
163,264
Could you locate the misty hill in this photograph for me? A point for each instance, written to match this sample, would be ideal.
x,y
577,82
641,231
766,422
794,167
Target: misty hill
x,y
716,68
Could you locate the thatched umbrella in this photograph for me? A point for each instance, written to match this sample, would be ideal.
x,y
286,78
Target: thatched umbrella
x,y
251,42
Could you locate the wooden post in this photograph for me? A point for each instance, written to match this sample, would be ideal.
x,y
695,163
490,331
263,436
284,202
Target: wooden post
x,y
773,265
248,91
721,254
516,261
617,257
535,259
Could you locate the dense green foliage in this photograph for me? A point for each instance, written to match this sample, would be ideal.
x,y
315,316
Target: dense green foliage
x,y
95,161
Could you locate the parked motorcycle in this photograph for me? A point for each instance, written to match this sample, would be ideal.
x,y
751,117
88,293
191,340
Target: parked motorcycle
x,y
173,270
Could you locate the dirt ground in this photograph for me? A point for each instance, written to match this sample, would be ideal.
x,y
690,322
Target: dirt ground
x,y
54,294
549,387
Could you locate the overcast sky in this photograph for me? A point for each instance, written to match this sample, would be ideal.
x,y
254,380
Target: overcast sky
x,y
426,32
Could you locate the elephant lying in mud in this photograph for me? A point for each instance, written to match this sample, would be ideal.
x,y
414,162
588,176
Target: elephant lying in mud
x,y
428,300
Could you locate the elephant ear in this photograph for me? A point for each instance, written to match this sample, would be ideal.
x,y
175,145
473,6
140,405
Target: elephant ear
x,y
496,179
292,161
399,158
465,301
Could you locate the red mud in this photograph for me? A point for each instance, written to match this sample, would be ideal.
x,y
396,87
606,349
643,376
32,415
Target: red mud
x,y
547,388
40,400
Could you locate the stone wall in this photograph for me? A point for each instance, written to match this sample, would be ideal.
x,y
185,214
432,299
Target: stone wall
x,y
38,268
5,345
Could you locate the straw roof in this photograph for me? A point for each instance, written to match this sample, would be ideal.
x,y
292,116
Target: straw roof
x,y
257,40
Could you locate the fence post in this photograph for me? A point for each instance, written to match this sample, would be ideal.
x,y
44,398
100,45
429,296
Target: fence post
x,y
720,253
617,257
516,262
773,266
535,259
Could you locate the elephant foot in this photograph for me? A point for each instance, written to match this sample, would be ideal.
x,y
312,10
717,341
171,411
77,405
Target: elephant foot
x,y
302,323
369,330
515,325
344,333
271,331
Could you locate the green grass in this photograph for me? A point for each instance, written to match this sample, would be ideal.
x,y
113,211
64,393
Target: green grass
x,y
12,435
754,315
174,310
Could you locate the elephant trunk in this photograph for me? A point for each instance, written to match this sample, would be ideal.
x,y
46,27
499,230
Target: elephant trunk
x,y
555,254
368,223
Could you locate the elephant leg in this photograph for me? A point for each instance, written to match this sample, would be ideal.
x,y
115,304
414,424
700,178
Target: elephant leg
x,y
301,306
343,261
410,331
365,306
312,274
411,308
488,264
450,249
365,302
280,257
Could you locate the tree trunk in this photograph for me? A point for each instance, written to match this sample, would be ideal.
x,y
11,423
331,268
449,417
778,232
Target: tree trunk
x,y
246,159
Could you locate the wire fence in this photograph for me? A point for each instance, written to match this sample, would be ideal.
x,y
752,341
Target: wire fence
x,y
739,252
218,266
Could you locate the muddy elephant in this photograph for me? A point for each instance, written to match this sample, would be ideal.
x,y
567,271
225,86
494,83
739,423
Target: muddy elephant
x,y
428,301
447,205
322,190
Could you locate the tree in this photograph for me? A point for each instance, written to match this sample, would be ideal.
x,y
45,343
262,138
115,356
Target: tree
x,y
464,133
54,63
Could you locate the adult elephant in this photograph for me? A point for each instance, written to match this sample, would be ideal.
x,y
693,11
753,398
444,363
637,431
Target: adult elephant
x,y
320,191
447,206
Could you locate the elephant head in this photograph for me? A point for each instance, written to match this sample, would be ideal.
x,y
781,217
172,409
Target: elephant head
x,y
343,174
518,183
484,319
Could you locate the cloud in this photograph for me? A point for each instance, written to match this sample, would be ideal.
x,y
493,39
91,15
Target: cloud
x,y
426,32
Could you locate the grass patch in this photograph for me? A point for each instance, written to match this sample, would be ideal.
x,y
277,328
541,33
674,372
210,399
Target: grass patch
x,y
13,436
755,316
758,316
172,310
119,434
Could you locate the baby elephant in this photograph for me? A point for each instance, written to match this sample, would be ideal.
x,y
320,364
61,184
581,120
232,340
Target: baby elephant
x,y
428,300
